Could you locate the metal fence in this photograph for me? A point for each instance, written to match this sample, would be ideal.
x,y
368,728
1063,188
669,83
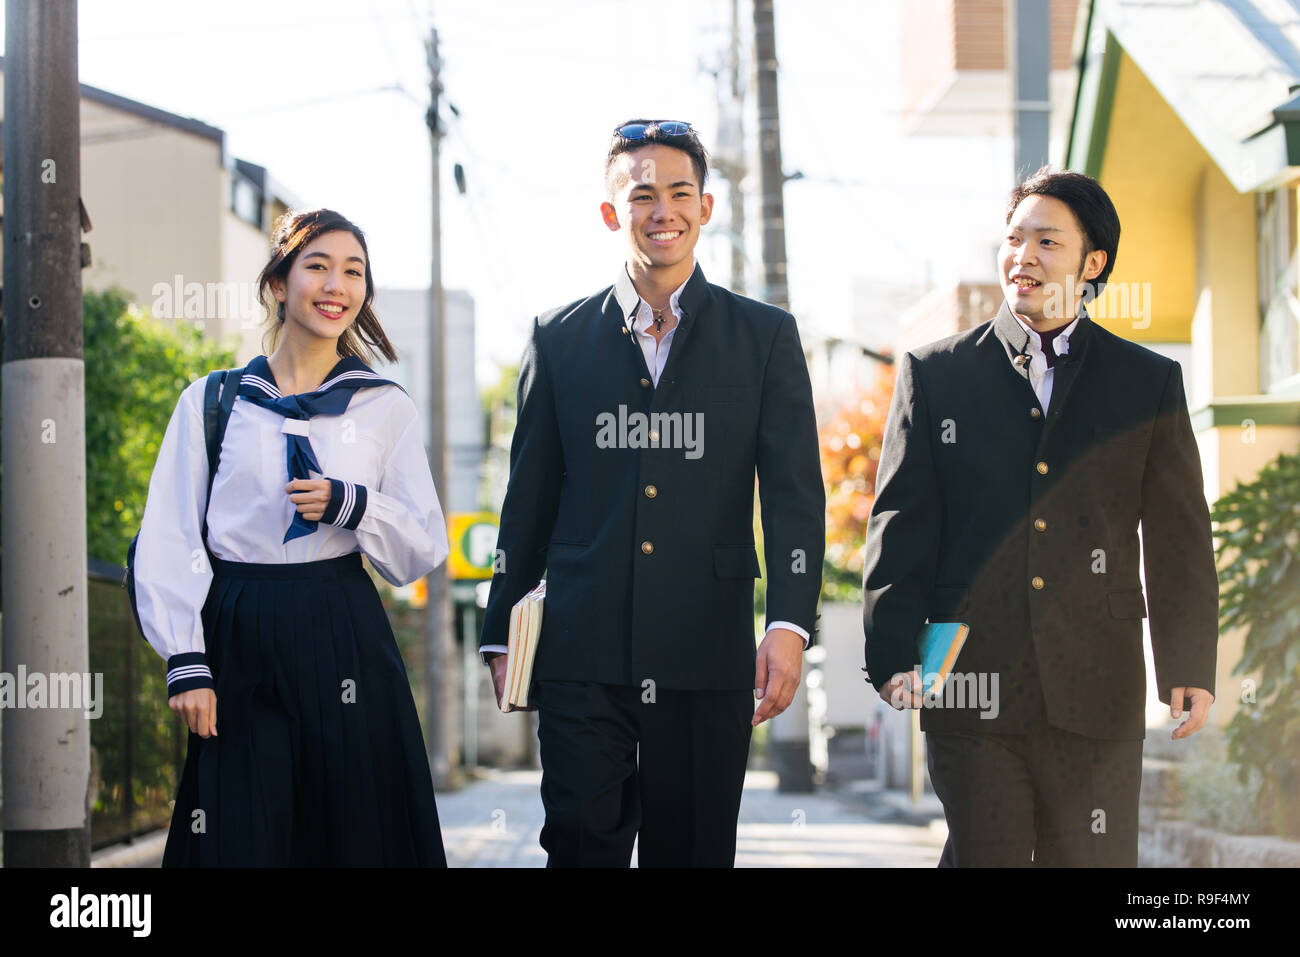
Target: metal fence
x,y
137,744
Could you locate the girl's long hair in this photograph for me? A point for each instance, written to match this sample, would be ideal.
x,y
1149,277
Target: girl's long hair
x,y
365,337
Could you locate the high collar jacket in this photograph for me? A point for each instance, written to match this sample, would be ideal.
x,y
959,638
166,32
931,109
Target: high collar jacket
x,y
1023,523
636,502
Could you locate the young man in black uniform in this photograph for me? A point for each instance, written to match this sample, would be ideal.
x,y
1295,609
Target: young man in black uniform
x,y
645,412
1019,460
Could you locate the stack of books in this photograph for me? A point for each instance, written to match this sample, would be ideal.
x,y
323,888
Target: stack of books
x,y
525,626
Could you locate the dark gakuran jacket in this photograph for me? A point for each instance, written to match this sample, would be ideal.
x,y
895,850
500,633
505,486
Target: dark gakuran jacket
x,y
1025,526
636,502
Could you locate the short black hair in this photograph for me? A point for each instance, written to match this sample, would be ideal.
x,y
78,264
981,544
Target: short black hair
x,y
689,143
1091,207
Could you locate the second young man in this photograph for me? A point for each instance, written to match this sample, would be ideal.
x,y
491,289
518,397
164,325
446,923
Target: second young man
x,y
1019,460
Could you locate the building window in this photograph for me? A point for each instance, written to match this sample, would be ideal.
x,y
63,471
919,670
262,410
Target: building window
x,y
1279,292
246,200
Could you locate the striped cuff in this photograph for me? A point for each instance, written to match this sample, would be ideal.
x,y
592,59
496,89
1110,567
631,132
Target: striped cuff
x,y
347,504
188,671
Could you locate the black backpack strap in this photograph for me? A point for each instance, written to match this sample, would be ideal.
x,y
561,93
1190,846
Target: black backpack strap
x,y
228,395
210,411
218,399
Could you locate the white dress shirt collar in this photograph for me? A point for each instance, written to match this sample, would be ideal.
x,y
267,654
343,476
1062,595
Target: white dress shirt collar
x,y
1039,372
1060,344
630,302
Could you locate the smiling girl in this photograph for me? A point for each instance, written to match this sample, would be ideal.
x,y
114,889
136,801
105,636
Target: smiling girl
x,y
317,758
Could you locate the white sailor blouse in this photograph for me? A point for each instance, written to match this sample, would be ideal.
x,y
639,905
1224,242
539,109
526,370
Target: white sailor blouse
x,y
382,503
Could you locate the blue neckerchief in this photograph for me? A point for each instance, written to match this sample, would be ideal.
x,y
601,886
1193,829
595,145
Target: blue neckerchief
x,y
332,398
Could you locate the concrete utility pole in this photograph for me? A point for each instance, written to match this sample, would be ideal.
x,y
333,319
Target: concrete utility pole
x,y
1029,58
789,737
46,750
771,176
729,157
440,694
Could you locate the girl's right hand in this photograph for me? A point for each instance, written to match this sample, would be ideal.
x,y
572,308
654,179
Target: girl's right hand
x,y
198,707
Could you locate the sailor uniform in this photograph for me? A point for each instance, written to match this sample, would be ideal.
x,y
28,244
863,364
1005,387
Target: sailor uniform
x,y
318,758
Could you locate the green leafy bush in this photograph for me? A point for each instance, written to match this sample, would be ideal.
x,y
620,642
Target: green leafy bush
x,y
1258,525
136,369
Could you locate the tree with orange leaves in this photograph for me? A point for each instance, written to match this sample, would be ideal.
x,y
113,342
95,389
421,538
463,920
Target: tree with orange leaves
x,y
850,453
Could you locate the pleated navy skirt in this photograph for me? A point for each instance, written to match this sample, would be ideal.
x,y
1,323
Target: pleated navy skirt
x,y
318,760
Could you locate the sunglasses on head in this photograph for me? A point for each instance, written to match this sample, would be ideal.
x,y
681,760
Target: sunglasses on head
x,y
640,131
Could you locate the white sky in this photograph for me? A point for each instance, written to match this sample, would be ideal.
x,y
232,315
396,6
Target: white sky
x,y
298,87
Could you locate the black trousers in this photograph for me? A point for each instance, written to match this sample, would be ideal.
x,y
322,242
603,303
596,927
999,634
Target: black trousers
x,y
618,762
1045,798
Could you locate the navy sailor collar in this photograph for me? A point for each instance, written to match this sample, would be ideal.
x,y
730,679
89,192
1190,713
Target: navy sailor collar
x,y
257,385
349,371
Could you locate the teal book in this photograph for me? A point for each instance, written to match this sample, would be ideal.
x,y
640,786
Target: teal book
x,y
939,644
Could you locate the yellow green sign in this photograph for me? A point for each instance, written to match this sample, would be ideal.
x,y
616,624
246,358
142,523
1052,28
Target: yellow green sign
x,y
473,544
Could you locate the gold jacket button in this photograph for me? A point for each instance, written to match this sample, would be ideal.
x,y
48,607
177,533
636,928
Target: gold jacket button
x,y
1040,525
651,491
1035,413
645,383
1037,582
647,548
625,332
1042,468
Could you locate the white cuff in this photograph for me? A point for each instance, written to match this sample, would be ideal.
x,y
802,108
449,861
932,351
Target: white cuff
x,y
486,650
791,626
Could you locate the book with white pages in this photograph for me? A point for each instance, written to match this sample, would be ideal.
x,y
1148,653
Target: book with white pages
x,y
521,647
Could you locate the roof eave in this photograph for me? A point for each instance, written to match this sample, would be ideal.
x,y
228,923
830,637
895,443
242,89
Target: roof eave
x,y
1270,159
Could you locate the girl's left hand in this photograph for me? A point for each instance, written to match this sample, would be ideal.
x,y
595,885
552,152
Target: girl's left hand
x,y
311,496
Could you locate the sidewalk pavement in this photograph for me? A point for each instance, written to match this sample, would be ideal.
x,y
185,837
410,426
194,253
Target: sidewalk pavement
x,y
495,822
